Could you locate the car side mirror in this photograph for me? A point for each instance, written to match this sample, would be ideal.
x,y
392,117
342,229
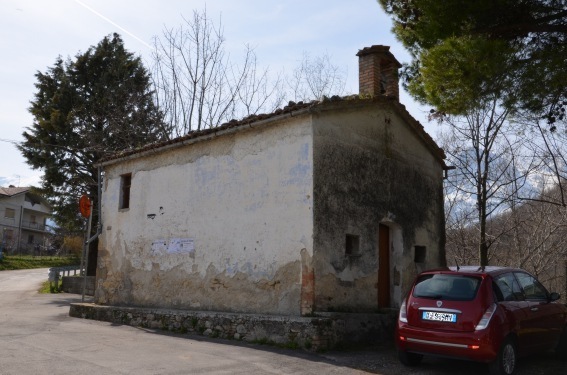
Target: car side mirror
x,y
554,296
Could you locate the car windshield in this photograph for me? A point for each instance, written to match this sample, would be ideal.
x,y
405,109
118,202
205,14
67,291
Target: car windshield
x,y
447,287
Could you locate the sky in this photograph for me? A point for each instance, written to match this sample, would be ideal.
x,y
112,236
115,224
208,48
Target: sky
x,y
33,33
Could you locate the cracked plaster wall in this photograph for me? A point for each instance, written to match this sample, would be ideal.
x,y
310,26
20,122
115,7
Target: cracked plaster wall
x,y
221,224
371,168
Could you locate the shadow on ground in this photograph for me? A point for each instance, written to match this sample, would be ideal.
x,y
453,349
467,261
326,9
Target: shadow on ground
x,y
377,359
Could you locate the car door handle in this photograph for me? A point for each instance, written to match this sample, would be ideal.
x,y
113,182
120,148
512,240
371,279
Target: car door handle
x,y
534,309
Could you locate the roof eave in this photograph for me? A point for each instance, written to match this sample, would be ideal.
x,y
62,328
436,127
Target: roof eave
x,y
215,133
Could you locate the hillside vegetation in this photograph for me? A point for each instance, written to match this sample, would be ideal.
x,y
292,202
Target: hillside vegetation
x,y
21,262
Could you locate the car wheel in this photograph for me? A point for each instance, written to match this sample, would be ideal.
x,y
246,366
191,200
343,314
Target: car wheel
x,y
561,350
409,359
505,363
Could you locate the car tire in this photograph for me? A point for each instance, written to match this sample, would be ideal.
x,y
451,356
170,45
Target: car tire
x,y
505,362
561,350
409,359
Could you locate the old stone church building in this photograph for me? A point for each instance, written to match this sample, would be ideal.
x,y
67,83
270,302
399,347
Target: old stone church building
x,y
332,205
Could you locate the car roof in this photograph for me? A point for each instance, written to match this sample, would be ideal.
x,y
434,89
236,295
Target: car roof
x,y
474,270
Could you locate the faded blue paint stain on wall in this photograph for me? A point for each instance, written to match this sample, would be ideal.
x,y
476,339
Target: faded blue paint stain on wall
x,y
302,171
231,269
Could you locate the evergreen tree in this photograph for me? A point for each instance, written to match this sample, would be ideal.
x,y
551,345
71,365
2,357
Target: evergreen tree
x,y
465,51
84,110
482,64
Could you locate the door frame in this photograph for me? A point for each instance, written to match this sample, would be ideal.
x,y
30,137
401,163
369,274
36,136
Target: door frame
x,y
383,253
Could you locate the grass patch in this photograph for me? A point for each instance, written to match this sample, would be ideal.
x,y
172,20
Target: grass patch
x,y
25,262
48,287
264,341
291,345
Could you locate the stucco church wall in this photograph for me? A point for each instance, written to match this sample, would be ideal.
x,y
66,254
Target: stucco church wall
x,y
222,224
371,168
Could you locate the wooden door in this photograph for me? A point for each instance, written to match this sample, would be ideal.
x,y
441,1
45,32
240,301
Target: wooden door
x,y
383,266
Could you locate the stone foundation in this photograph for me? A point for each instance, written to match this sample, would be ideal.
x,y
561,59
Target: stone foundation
x,y
311,333
74,284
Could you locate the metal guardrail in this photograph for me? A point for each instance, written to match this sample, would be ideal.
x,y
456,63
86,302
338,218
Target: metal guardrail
x,y
56,273
70,284
33,226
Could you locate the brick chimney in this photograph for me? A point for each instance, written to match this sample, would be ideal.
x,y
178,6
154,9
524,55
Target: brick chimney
x,y
378,72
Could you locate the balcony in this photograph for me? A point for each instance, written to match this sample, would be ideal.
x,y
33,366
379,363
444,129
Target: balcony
x,y
38,227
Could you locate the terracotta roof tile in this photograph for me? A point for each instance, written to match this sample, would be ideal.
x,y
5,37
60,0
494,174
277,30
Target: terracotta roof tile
x,y
290,109
10,191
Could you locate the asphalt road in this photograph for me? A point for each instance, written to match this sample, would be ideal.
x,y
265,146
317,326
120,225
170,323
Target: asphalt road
x,y
37,336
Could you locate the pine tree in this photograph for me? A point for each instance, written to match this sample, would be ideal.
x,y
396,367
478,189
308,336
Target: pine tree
x,y
84,110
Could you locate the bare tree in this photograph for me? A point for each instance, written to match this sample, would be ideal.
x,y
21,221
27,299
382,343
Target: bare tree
x,y
548,142
505,200
492,169
316,77
259,90
536,237
197,84
461,245
526,234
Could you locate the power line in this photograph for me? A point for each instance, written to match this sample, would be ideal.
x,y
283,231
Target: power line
x,y
112,23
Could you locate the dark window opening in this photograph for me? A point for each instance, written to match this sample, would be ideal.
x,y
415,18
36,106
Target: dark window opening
x,y
10,213
125,184
447,287
419,254
352,245
8,234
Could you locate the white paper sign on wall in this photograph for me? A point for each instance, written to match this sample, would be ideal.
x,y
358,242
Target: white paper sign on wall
x,y
181,246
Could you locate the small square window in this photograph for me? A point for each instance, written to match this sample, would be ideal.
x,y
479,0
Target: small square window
x,y
8,234
125,184
352,245
10,213
419,254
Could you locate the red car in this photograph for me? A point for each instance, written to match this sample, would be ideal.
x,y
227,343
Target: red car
x,y
491,314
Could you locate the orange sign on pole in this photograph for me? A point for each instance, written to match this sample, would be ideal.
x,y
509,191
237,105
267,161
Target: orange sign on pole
x,y
85,206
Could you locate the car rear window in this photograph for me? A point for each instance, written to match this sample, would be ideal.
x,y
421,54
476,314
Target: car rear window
x,y
447,287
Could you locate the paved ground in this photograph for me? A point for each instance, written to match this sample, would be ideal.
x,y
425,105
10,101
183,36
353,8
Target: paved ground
x,y
38,337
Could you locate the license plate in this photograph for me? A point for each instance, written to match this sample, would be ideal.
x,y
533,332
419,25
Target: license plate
x,y
439,316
